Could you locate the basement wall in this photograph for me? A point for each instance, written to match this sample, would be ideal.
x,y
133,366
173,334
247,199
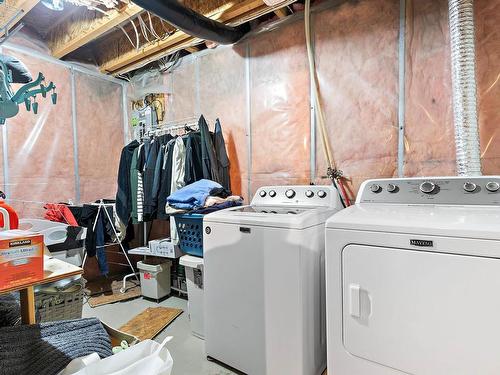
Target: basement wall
x,y
260,90
69,151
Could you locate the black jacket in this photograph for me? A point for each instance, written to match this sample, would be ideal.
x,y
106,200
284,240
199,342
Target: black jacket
x,y
222,158
123,194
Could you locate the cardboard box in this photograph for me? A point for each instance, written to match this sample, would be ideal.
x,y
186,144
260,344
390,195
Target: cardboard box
x,y
21,258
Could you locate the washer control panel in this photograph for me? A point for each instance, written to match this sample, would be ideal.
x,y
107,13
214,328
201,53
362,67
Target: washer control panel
x,y
483,190
302,195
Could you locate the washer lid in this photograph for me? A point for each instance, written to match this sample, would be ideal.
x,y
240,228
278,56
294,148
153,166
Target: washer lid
x,y
453,221
272,216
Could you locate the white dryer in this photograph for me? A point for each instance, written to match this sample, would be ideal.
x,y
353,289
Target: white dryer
x,y
413,279
264,281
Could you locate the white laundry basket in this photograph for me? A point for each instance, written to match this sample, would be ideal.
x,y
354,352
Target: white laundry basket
x,y
155,279
196,299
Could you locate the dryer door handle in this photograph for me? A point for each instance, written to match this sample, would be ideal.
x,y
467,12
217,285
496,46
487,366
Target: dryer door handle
x,y
355,300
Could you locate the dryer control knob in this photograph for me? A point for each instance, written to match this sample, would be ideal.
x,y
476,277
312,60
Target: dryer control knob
x,y
262,193
310,193
322,194
272,193
375,188
391,188
427,187
290,193
470,186
493,186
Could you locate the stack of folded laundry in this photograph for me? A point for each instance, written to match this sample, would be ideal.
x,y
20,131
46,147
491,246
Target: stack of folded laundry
x,y
201,197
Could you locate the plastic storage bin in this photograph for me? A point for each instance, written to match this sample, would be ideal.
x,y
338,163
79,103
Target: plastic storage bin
x,y
190,230
196,298
53,303
155,279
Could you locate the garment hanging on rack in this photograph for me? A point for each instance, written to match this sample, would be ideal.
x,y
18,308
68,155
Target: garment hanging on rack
x,y
99,231
162,162
209,160
178,171
134,185
194,161
124,193
221,155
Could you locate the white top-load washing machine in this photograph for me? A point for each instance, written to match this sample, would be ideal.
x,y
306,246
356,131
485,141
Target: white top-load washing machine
x,y
264,281
413,279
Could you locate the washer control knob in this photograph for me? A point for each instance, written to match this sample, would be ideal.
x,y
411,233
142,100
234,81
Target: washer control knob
x,y
391,188
272,193
262,193
493,186
470,187
290,193
322,194
310,193
375,188
427,187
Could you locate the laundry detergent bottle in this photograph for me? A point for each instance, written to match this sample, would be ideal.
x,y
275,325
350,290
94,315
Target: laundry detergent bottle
x,y
8,216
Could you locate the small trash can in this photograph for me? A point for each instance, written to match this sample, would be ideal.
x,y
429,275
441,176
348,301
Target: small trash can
x,y
196,301
155,279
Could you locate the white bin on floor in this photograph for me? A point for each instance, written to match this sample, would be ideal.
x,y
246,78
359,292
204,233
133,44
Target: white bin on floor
x,y
155,279
194,281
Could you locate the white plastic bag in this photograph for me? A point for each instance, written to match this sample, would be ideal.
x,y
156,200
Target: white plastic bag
x,y
147,357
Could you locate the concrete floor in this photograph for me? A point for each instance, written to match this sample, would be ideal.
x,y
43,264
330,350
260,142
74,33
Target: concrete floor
x,y
187,350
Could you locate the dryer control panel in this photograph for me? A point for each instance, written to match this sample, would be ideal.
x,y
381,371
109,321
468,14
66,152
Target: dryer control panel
x,y
298,195
483,190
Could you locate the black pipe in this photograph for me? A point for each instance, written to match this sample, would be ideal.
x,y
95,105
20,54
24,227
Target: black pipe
x,y
193,23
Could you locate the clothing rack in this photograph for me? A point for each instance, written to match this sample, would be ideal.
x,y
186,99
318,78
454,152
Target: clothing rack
x,y
102,207
171,126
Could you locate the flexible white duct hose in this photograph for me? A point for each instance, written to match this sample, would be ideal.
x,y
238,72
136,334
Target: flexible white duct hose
x,y
463,66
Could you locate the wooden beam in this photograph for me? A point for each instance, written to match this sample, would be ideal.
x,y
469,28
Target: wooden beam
x,y
14,11
281,13
82,28
224,14
192,49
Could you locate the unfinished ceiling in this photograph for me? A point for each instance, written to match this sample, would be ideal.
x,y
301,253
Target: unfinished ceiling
x,y
125,37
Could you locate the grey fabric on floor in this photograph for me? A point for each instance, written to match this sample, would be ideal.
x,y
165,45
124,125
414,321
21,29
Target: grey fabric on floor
x,y
10,309
47,348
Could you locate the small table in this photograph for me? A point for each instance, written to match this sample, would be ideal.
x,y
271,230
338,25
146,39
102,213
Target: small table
x,y
54,270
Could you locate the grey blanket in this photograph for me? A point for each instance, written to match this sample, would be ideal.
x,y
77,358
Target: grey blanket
x,y
47,348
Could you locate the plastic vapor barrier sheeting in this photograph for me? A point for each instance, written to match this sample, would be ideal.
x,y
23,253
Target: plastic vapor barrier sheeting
x,y
488,78
40,147
100,135
222,95
357,64
430,134
280,108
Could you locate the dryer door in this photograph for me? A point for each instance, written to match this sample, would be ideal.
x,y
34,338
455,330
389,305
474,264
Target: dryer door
x,y
421,312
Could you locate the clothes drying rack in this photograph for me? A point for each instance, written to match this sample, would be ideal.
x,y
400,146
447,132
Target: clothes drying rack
x,y
102,207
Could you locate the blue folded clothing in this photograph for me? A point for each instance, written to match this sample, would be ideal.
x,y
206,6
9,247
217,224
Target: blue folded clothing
x,y
217,207
192,196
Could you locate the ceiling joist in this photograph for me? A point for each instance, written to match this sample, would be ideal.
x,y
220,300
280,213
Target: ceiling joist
x,y
233,14
12,11
81,29
226,13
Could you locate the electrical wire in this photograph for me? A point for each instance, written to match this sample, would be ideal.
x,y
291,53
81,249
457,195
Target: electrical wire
x,y
333,172
136,34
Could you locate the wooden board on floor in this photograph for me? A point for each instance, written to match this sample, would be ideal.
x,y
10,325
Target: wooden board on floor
x,y
150,322
106,291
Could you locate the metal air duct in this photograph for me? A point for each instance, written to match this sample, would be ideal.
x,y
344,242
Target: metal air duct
x,y
463,67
